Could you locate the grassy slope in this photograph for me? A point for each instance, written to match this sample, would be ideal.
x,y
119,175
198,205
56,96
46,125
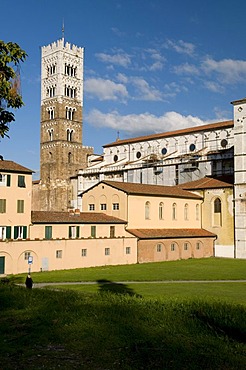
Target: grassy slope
x,y
68,330
192,269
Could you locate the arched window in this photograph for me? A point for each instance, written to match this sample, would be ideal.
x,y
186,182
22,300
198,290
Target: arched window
x,y
197,212
69,134
186,212
161,211
217,212
174,211
147,210
69,157
51,132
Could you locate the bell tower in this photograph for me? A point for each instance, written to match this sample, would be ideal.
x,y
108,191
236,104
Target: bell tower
x,y
61,151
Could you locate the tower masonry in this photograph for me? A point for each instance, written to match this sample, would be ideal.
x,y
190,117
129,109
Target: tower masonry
x,y
61,151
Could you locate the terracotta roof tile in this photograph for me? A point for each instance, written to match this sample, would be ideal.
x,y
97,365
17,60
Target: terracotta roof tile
x,y
10,166
205,183
211,126
151,190
170,233
73,218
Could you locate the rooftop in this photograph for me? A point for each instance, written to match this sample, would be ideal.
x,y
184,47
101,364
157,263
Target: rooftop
x,y
170,233
211,126
206,183
10,166
41,217
150,190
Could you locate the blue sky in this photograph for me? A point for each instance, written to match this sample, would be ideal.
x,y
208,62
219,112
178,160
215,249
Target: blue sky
x,y
150,65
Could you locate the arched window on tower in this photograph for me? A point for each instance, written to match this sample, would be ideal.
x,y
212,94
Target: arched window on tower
x,y
51,111
69,134
51,134
217,212
69,157
70,113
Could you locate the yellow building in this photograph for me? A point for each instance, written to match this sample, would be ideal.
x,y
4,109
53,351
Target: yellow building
x,y
217,211
166,220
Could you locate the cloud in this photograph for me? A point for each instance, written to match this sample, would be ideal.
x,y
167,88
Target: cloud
x,y
227,70
144,90
214,86
186,68
117,32
105,89
145,123
180,47
120,59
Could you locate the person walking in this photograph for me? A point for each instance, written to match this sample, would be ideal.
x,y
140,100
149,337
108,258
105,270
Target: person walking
x,y
29,282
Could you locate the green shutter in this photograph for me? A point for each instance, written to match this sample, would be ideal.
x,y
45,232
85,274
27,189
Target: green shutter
x,y
2,205
8,180
15,232
48,232
24,232
77,232
8,232
21,181
70,231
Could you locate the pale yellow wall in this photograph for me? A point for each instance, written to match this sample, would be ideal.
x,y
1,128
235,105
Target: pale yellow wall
x,y
104,193
44,252
62,230
224,231
137,213
12,194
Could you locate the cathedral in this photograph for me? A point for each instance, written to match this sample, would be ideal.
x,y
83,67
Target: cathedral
x,y
68,169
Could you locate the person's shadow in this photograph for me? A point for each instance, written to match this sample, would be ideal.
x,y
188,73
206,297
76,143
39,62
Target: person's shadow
x,y
116,288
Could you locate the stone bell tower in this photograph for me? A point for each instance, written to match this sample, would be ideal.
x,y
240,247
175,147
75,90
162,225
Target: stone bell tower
x,y
61,151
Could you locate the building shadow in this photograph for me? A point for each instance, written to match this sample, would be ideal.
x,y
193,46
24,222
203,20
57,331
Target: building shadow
x,y
106,286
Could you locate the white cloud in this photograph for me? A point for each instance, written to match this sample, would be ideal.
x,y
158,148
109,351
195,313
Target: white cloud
x,y
144,90
140,124
214,86
186,68
105,89
120,59
180,47
227,70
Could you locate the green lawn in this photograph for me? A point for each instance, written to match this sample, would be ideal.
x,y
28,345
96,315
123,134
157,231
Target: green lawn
x,y
191,269
42,329
224,292
155,325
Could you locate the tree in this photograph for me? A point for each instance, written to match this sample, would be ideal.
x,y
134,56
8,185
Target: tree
x,y
10,98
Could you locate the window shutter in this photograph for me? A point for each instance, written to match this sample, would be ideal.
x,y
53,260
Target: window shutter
x,y
24,232
15,232
8,232
8,180
77,232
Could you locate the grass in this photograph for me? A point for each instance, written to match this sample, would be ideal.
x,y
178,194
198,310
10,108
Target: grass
x,y
192,269
116,324
69,330
225,292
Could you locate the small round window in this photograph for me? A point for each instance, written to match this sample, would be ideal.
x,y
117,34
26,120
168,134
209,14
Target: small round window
x,y
116,158
138,155
164,151
192,147
223,143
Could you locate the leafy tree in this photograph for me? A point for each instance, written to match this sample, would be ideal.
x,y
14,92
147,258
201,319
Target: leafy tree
x,y
10,57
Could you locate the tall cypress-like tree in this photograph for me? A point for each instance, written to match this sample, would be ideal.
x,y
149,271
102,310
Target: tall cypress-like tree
x,y
10,98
